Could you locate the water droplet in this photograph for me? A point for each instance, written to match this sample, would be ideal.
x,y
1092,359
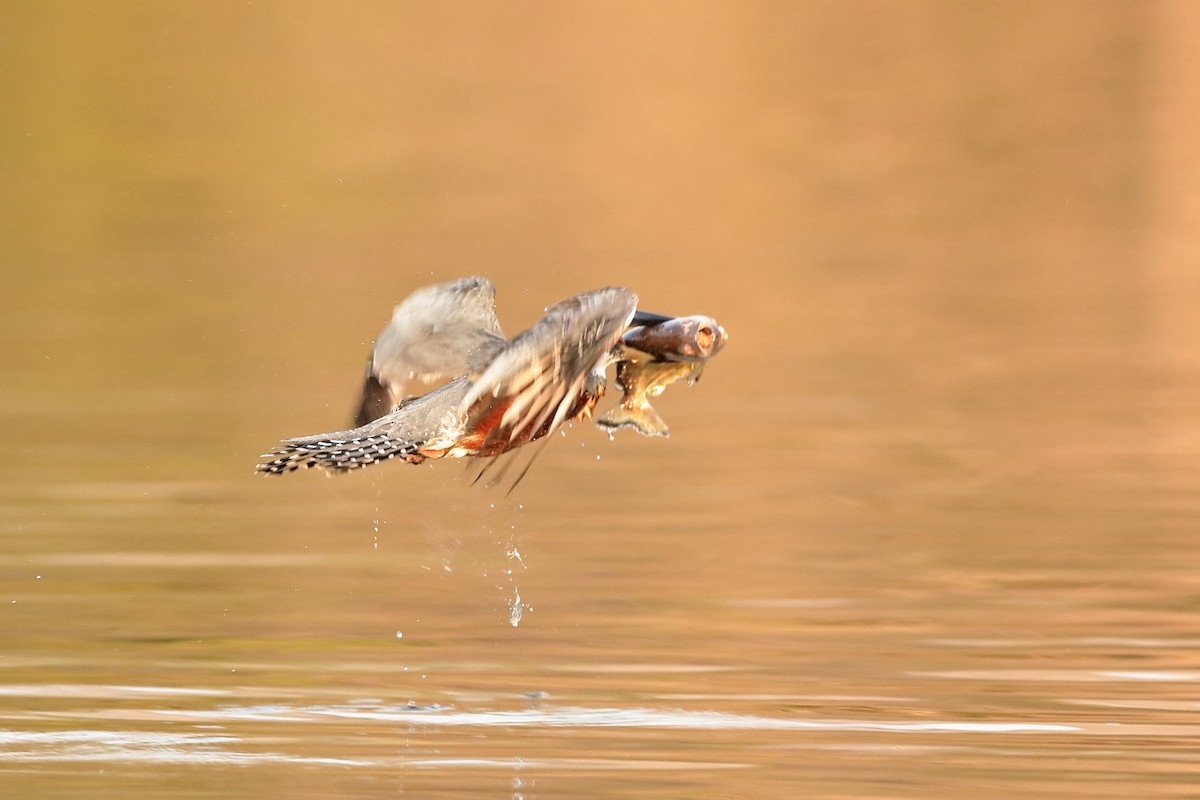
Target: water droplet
x,y
514,619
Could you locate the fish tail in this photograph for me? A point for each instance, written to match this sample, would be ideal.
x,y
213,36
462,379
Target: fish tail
x,y
643,419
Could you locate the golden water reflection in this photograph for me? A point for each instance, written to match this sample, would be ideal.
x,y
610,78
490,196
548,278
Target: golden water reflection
x,y
925,528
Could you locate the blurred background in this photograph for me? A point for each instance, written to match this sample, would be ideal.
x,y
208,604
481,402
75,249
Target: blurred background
x,y
954,432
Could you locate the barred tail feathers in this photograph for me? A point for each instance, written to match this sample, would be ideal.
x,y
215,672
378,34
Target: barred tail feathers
x,y
332,452
424,427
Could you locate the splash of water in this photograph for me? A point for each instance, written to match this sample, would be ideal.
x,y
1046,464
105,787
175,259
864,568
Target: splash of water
x,y
514,618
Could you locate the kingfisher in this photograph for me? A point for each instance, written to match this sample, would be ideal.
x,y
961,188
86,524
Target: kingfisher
x,y
442,380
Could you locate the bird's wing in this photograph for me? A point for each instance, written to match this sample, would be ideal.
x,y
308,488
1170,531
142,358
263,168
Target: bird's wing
x,y
537,378
436,334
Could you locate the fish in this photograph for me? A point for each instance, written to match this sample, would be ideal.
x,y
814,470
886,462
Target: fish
x,y
640,380
653,356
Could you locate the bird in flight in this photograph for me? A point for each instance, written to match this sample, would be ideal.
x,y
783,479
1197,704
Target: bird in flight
x,y
444,382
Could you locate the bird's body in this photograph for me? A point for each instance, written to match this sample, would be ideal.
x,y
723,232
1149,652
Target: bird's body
x,y
512,393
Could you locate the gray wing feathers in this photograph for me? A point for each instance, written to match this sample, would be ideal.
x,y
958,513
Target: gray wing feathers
x,y
437,333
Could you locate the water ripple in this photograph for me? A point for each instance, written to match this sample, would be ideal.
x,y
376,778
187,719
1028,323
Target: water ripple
x,y
140,746
601,717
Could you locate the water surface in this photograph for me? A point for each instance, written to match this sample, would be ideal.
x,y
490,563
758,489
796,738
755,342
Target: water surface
x,y
925,529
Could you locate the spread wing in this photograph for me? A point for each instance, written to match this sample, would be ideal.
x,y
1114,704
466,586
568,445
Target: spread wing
x,y
436,334
537,381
